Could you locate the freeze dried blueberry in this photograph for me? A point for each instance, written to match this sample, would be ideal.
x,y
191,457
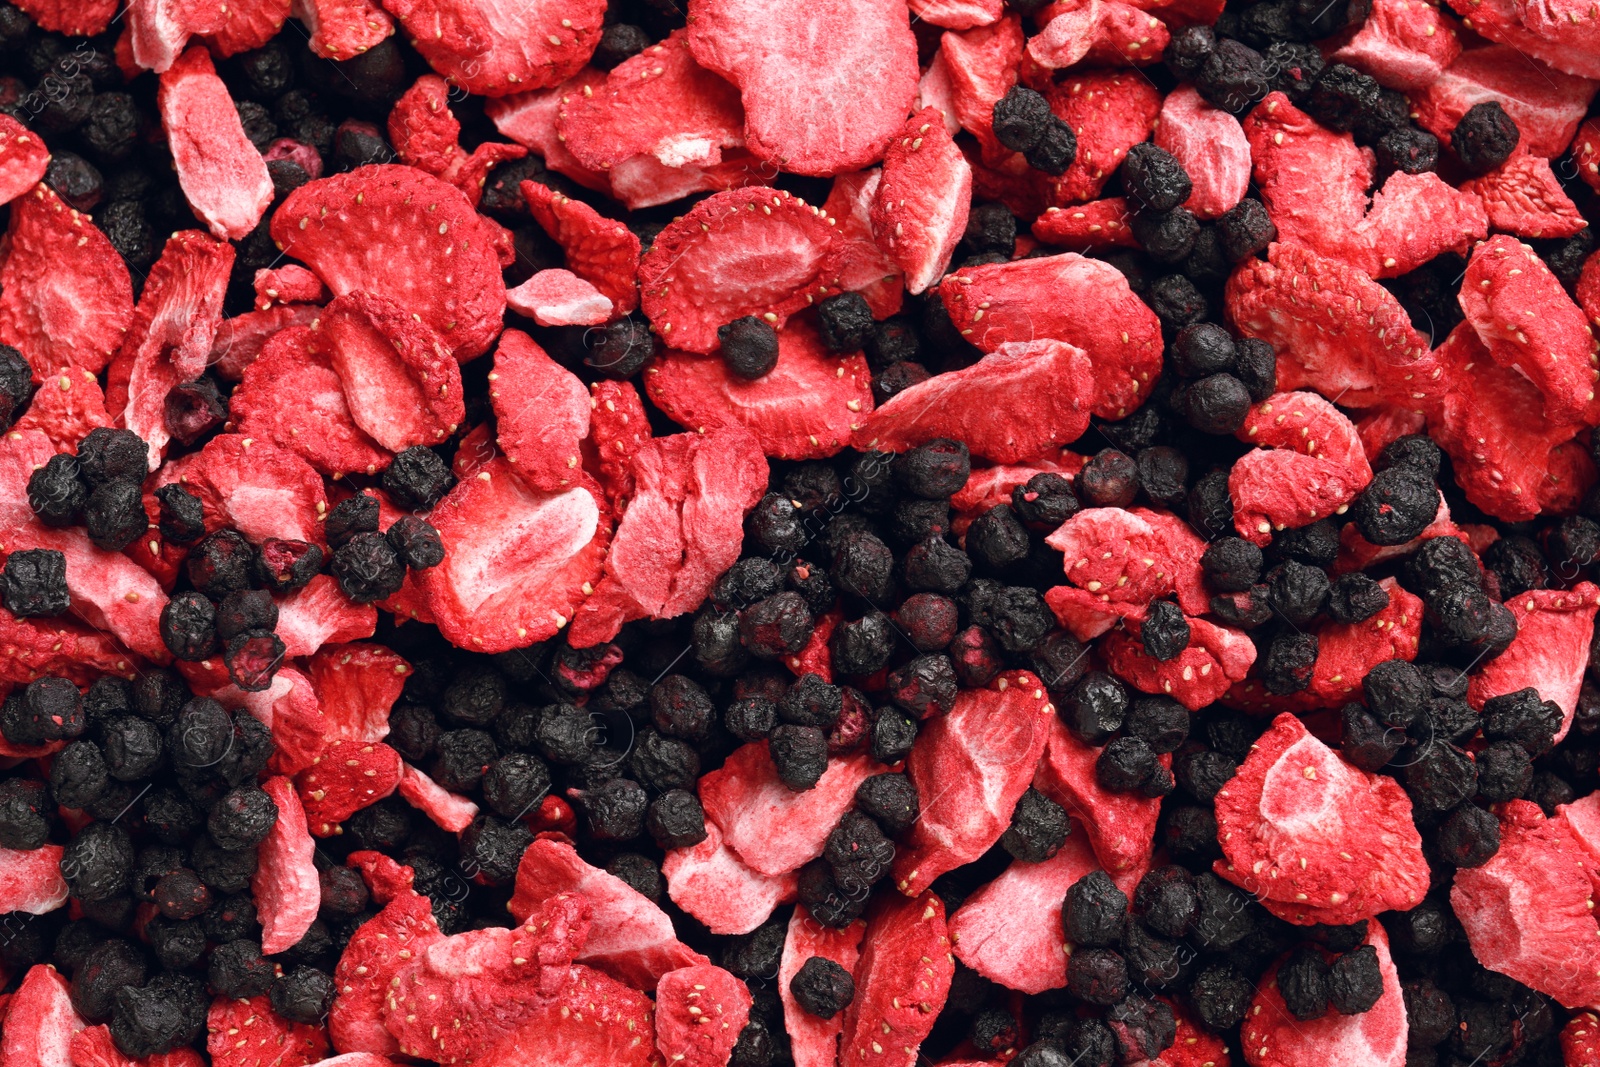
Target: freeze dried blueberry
x,y
1125,764
1231,564
615,809
800,754
935,470
189,626
1188,51
1518,564
676,820
1165,901
220,563
1288,663
822,988
1045,500
1217,404
1165,631
1110,479
1440,776
1355,597
56,493
491,848
1505,771
367,568
1038,828
1159,721
680,707
1154,178
1297,592
1166,236
991,227
1523,718
25,814
416,542
1245,229
1397,505
417,478
844,322
1233,77
1407,149
751,718
1303,981
1096,708
252,658
1468,837
1365,742
749,347
97,864
303,995
36,583
891,799
515,784
168,1012
1220,996
891,736
924,687
115,515
1055,150
996,540
1201,349
1340,95
1485,137
775,627
1396,691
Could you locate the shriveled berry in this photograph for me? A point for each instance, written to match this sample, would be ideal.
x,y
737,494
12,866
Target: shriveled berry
x,y
56,493
1303,980
1485,137
800,754
749,347
1038,829
1165,631
822,987
220,563
111,455
1245,229
36,583
845,322
1095,911
417,478
189,626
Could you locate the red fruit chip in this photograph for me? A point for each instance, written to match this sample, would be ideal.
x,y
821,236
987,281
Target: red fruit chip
x,y
95,1048
1347,651
1121,559
1376,1038
958,14
1560,36
1212,147
492,50
1121,827
982,67
1523,197
341,29
285,883
589,1019
1009,931
372,959
919,211
902,980
448,810
348,776
402,387
247,27
75,18
66,406
618,426
109,591
1092,227
257,488
240,339
320,614
808,407
1546,105
1127,36
601,251
221,172
710,882
700,1012
23,159
752,251
1110,112
814,1042
32,648
812,110
357,684
769,826
970,766
558,297
1526,909
632,938
1083,302
816,657
40,1021
1586,153
1216,657
318,426
1580,1040
30,880
288,284
65,295
157,30
988,486
1311,463
1067,33
864,268
1326,842
1550,651
1414,218
397,232
541,412
248,1033
530,119
426,135
1405,44
384,877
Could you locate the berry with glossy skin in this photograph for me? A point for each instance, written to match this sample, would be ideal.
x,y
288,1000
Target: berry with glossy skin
x,y
749,347
1217,404
935,470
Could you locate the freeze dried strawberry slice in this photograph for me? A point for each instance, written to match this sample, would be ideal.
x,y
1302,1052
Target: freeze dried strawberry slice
x,y
1084,302
1549,653
257,488
618,426
357,684
1405,44
109,591
1216,657
1311,463
864,267
346,777
1009,931
288,284
94,1048
958,14
813,110
919,211
1586,153
40,1021
1414,218
426,135
1546,105
400,233
1092,227
1560,35
495,49
710,882
1347,651
1121,827
632,938
320,614
1581,819
1313,181
599,250
448,810
246,27
1302,828
222,174
402,387
1067,33
988,486
1110,111
30,880
1130,557
23,159
32,648
1526,909
318,426
341,29
66,406
558,297
1015,403
769,826
700,1012
158,30
808,407
373,958
902,980
1212,147
541,411
970,766
288,707
591,1019
75,18
814,1042
1127,37
285,883
239,340
752,251
248,1033
1580,1040
65,295
982,66
1523,197
1272,1037
530,119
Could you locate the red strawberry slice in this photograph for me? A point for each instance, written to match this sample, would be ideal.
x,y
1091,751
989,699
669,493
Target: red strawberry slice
x,y
700,1011
1309,465
400,233
1110,112
1559,35
1376,1038
591,1019
255,487
1130,557
426,134
221,172
710,882
1356,553
285,883
320,614
541,412
1194,1045
1404,44
1216,658
318,427
989,486
33,648
1414,218
1347,651
919,211
982,67
288,707
495,49
170,336
1522,196
970,766
1546,105
249,26
1586,153
864,269
30,880
288,284
1580,1040
94,1048
75,18
372,959
1127,36
902,980
23,159
769,826
1581,819
1121,827
109,591
1009,931
1093,227
1017,403
1084,302
530,119
248,1033
341,29
357,684
402,387
448,810
1537,874
958,14
599,250
65,294
1549,653
752,251
1212,147
814,1042
158,30
812,110
240,339
346,777
618,426
1067,32
808,407
1302,828
21,453
560,298
40,1021
1010,181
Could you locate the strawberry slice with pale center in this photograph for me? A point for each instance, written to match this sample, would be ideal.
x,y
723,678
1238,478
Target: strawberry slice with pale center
x,y
399,380
1311,463
502,46
710,882
919,211
1549,653
1374,1038
30,879
541,412
40,1021
449,811
814,1041
222,174
285,884
902,980
601,251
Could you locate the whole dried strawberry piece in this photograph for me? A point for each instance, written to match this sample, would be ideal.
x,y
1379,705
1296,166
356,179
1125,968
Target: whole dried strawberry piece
x,y
541,412
492,51
346,777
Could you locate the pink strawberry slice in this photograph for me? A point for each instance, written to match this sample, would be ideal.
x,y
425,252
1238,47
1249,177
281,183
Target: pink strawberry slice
x,y
1067,33
700,1011
1120,827
811,110
970,766
958,14
1212,147
1549,653
255,487
251,28
1549,37
1416,217
1215,659
592,1019
815,1041
601,251
399,380
66,407
1311,464
285,883
357,684
1546,105
492,51
158,30
1095,226
346,777
240,339
248,1033
385,878
1586,153
1118,560
530,118
865,268
920,209
618,427
95,1048
23,159
711,882
426,134
288,284
1110,111
448,810
30,880
400,233
75,18
808,407
372,959
21,453
982,64
320,614
902,980
1523,197
1405,46
341,29
65,295
222,174
40,1021
109,591
1376,1038
541,413
1304,829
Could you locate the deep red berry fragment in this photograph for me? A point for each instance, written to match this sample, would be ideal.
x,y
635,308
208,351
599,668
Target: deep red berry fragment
x,y
288,284
541,413
426,135
240,339
1523,197
618,426
30,879
1549,35
248,1033
495,50
1580,1040
1586,153
530,119
1272,1037
815,1041
1121,827
632,939
23,159
67,405
222,174
710,882
348,776
400,233
94,1047
449,811
1316,839
371,960
285,883
75,18
970,766
357,684
920,209
1546,105
1110,111
902,980
1403,44
824,89
982,68
40,1021
401,384
700,1012
865,268
1215,658
1549,653
601,251
1311,463
1092,227
341,29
